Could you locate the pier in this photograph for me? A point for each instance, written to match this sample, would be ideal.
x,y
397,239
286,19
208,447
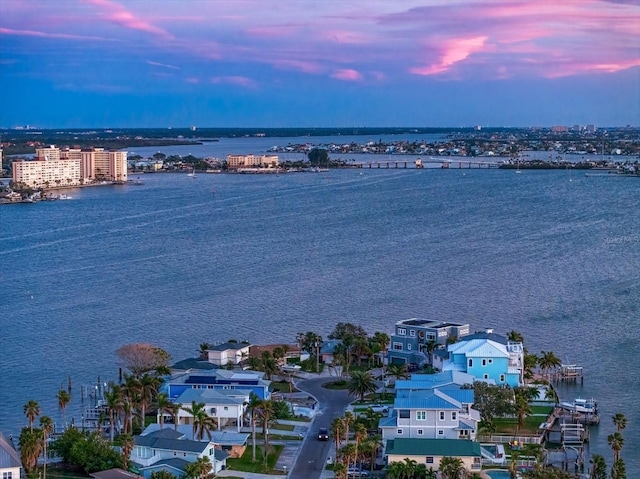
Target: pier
x,y
420,164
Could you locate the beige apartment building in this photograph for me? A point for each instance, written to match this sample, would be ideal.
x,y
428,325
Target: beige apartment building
x,y
53,166
252,161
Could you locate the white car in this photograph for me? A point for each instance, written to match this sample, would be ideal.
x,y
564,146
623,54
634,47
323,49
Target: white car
x,y
379,408
357,472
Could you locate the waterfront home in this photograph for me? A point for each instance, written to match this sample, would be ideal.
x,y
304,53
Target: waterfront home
x,y
227,353
10,463
487,356
171,451
216,379
327,350
413,339
291,351
233,443
226,406
431,451
426,408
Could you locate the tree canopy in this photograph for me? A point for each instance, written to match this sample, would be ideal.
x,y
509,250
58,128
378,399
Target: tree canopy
x,y
140,358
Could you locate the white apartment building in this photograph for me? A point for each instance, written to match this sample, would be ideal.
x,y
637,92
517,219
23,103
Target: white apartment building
x,y
53,167
252,161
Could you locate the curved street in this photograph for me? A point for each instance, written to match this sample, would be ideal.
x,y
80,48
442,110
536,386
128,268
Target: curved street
x,y
331,403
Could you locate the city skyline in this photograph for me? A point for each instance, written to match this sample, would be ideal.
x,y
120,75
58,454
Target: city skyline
x,y
106,63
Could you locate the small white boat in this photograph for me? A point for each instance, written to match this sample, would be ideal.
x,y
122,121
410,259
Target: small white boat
x,y
193,173
582,406
64,197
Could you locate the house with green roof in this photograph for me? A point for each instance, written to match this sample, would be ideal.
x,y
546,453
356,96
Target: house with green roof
x,y
431,451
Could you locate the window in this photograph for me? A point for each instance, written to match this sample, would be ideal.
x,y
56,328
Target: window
x,y
404,414
226,408
412,332
440,432
442,415
490,361
211,450
484,362
485,376
431,337
420,432
421,415
399,432
409,347
402,331
454,416
397,346
502,378
470,363
429,460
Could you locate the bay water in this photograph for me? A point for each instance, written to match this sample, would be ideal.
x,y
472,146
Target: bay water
x,y
179,261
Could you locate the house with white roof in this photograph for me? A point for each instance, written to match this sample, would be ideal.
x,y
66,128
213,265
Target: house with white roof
x,y
432,407
486,356
10,463
170,450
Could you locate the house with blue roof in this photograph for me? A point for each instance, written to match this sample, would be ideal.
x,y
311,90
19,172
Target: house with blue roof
x,y
216,379
170,450
432,407
10,462
486,356
226,406
233,443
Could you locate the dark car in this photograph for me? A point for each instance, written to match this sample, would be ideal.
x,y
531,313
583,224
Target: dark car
x,y
323,434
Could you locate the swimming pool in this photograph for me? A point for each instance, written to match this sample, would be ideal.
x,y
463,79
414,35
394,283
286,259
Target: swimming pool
x,y
497,474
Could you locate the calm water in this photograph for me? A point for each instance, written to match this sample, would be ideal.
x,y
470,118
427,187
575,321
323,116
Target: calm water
x,y
266,257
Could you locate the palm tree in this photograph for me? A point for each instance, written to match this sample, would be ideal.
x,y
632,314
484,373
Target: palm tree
x,y
31,410
63,400
30,448
340,471
430,346
46,426
383,340
410,467
164,405
396,470
619,421
174,409
530,363
515,336
548,361
618,470
337,430
348,419
599,468
266,412
202,422
398,371
148,390
126,443
252,408
360,434
522,407
451,467
204,347
114,402
616,441
201,469
361,383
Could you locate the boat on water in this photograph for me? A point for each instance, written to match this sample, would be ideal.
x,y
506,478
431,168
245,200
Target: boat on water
x,y
582,406
64,197
193,173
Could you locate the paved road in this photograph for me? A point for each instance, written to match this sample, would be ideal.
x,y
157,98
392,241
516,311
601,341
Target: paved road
x,y
313,453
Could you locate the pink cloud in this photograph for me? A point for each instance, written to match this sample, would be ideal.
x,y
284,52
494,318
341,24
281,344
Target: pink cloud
x,y
119,15
299,65
193,80
347,74
235,80
65,36
454,51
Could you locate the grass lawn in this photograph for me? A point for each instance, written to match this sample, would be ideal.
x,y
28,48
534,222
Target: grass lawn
x,y
282,387
509,425
245,463
281,427
545,410
57,473
337,385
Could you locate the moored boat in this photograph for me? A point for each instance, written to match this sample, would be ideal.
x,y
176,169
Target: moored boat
x,y
582,406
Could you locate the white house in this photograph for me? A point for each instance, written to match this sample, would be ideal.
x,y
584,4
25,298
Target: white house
x,y
227,406
170,450
10,464
228,353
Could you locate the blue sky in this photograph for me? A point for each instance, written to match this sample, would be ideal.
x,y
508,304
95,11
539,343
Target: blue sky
x,y
332,63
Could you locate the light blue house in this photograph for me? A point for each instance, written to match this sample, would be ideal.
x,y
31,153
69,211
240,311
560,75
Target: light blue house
x,y
486,356
432,407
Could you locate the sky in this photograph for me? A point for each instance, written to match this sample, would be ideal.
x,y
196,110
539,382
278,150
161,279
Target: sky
x,y
330,63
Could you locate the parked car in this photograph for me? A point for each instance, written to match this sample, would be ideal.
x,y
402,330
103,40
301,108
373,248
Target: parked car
x,y
357,472
323,434
380,408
